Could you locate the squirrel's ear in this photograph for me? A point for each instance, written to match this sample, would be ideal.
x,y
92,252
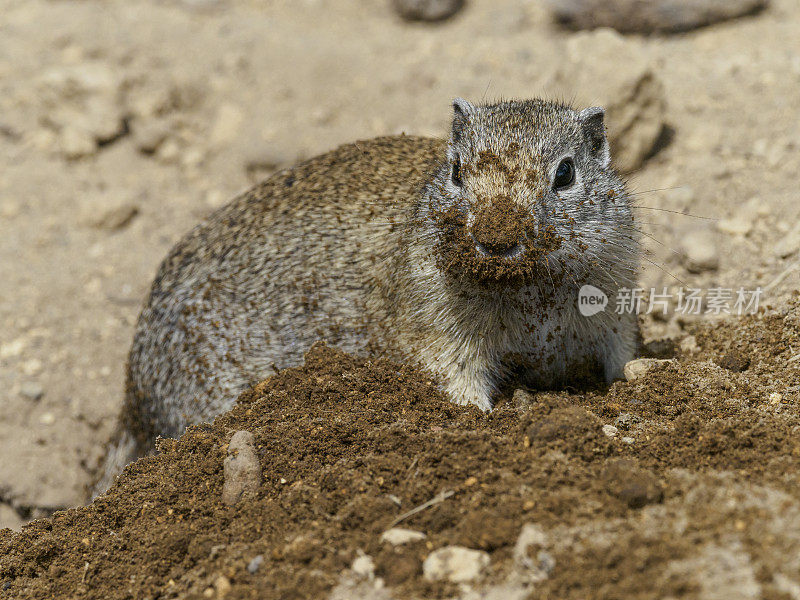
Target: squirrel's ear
x,y
462,113
594,129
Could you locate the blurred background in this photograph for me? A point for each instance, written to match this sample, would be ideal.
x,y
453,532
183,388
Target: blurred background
x,y
122,124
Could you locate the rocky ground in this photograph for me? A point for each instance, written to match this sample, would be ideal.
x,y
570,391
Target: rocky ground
x,y
122,125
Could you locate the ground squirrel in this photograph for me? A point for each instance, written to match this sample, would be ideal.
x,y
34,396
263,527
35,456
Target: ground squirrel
x,y
464,256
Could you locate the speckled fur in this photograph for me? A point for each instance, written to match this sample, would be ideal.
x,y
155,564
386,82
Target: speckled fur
x,y
347,248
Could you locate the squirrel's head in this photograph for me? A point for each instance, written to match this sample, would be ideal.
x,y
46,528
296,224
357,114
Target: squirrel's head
x,y
527,188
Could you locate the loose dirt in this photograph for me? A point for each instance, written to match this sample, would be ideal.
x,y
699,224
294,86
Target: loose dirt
x,y
694,488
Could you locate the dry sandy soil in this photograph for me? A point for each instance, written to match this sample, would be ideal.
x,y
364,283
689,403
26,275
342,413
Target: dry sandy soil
x,y
123,124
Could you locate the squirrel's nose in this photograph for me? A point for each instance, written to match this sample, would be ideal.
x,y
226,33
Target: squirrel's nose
x,y
497,229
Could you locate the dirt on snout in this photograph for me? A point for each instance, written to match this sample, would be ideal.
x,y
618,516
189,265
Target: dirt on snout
x,y
683,483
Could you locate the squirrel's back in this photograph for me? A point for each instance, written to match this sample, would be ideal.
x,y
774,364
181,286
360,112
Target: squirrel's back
x,y
297,258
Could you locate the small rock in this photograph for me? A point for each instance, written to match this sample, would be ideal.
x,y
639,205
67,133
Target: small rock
x,y
32,366
75,143
118,217
223,586
149,135
13,348
650,16
627,440
735,361
169,152
631,484
775,398
625,421
32,390
254,565
610,431
700,251
640,366
47,418
530,535
738,225
397,536
455,563
427,10
242,469
789,244
98,120
363,566
522,399
201,4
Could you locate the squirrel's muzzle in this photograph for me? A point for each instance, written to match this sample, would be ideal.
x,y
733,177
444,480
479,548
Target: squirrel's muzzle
x,y
499,228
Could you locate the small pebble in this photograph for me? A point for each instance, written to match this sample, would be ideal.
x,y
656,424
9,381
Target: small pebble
x,y
118,217
738,225
650,16
627,440
625,421
427,10
33,366
531,535
641,366
363,566
242,469
254,565
735,361
76,143
148,136
13,348
47,418
223,586
610,430
775,398
455,564
700,251
32,391
398,536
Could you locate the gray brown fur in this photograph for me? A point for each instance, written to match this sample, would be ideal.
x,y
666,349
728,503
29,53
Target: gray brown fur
x,y
352,248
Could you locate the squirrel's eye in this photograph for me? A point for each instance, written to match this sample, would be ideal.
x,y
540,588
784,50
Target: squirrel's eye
x,y
565,174
455,174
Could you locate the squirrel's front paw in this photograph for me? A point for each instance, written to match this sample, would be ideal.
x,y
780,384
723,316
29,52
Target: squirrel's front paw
x,y
469,395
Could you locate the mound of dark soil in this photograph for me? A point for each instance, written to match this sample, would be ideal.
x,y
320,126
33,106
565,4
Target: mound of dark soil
x,y
693,493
